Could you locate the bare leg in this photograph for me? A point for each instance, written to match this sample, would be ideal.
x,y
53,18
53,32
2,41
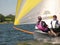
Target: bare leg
x,y
52,32
49,32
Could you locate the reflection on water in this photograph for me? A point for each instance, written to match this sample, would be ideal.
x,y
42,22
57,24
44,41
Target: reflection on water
x,y
11,36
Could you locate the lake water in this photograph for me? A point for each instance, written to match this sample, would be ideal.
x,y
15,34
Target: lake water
x,y
11,36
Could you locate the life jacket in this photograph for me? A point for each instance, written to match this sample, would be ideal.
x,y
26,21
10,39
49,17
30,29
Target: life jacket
x,y
42,26
56,24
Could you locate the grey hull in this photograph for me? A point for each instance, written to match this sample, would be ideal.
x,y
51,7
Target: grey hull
x,y
44,37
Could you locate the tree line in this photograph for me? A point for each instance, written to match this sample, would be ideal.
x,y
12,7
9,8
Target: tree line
x,y
8,18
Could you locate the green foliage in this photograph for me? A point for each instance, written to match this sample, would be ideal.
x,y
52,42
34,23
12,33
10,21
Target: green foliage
x,y
2,18
8,18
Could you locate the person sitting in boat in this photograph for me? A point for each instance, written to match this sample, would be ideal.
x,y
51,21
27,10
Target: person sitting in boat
x,y
41,25
55,25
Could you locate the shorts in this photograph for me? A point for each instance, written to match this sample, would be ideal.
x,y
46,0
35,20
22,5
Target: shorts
x,y
47,30
56,29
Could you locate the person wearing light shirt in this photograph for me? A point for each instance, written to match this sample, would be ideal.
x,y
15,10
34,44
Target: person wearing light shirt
x,y
42,26
55,25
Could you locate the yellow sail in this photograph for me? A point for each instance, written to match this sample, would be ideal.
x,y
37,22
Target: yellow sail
x,y
28,6
18,7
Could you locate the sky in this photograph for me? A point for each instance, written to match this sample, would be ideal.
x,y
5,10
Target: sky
x,y
8,7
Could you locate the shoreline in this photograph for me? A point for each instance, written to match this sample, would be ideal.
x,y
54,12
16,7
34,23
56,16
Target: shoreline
x,y
5,22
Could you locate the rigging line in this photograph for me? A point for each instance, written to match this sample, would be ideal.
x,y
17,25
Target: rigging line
x,y
23,30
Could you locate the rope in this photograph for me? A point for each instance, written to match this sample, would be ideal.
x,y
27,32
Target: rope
x,y
23,30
